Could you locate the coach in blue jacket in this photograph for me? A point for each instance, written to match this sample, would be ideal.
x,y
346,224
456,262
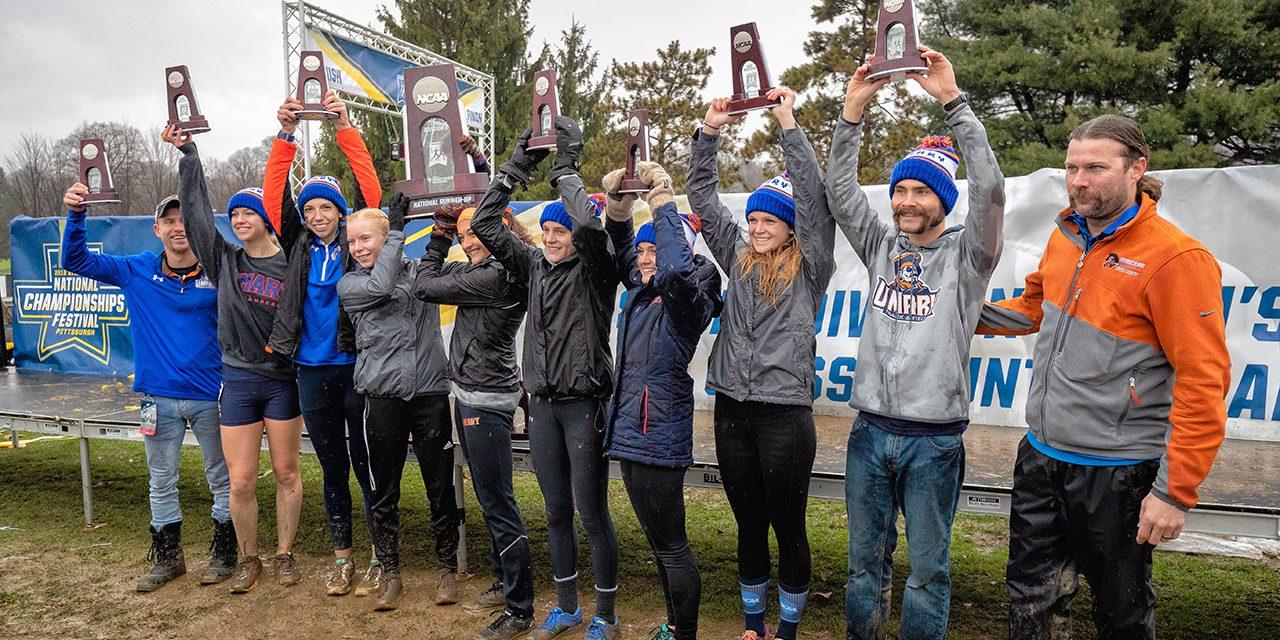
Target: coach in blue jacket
x,y
173,316
672,296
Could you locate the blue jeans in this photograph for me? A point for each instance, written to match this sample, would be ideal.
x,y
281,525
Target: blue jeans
x,y
164,453
921,475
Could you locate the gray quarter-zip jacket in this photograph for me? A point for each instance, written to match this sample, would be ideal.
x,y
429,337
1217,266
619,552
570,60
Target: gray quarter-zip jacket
x,y
399,349
765,353
913,359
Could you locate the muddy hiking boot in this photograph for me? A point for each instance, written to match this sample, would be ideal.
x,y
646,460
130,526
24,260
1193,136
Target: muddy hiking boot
x,y
247,572
166,553
491,600
389,595
286,567
446,588
342,576
506,626
222,550
371,582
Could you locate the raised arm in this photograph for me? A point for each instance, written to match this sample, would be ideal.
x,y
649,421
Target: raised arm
x,y
277,198
506,247
359,291
459,283
845,197
368,188
815,230
677,280
193,198
618,223
589,237
723,235
76,256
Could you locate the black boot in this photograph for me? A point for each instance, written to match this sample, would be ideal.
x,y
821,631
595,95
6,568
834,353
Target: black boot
x,y
222,549
166,552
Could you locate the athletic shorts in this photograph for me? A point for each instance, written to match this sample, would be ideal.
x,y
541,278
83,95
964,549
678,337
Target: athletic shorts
x,y
247,398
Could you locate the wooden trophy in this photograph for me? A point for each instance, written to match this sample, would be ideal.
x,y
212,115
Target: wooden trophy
x,y
750,72
637,151
896,41
95,173
312,87
439,171
183,110
546,107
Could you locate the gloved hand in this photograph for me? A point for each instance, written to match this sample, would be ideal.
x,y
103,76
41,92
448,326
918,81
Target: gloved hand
x,y
446,221
617,206
522,163
660,190
568,149
396,210
469,146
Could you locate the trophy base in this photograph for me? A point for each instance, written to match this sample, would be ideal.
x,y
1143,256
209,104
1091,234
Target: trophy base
x,y
897,70
739,106
541,142
632,185
316,114
192,126
106,197
469,189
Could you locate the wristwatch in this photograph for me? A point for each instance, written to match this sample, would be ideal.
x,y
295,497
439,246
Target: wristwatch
x,y
955,104
285,136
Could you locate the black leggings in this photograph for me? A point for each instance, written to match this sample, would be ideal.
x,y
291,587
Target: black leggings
x,y
566,440
331,409
388,423
657,497
765,452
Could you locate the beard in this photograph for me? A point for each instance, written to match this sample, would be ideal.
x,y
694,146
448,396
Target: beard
x,y
931,219
1099,203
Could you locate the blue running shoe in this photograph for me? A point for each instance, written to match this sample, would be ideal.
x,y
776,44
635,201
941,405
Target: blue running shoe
x,y
602,630
557,622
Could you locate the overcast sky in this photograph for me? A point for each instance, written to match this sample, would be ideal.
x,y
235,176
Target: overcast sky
x,y
67,62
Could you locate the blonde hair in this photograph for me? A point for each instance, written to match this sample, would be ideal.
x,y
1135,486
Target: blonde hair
x,y
778,268
379,219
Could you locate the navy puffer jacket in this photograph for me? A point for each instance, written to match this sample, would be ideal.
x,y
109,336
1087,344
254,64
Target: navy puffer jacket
x,y
651,413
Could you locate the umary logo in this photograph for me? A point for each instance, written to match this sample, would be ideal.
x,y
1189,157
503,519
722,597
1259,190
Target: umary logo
x,y
907,298
73,312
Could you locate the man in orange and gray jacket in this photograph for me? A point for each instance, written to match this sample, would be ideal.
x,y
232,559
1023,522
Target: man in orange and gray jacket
x,y
1126,408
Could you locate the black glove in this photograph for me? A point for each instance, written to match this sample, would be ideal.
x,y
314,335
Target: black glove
x,y
522,163
396,210
446,221
568,149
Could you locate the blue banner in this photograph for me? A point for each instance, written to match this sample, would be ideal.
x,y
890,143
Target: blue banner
x,y
70,324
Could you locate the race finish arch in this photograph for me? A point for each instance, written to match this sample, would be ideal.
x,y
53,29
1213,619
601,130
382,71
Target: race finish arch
x,y
366,67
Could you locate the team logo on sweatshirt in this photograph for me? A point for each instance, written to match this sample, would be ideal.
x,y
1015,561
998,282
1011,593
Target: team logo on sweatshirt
x,y
908,298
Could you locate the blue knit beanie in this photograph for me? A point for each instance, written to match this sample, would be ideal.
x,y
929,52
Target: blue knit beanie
x,y
250,198
326,187
775,197
554,212
646,234
934,163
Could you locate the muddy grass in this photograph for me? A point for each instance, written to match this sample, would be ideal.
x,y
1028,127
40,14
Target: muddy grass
x,y
57,580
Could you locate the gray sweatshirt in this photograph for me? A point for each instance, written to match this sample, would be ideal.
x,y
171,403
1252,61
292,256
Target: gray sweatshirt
x,y
913,359
399,349
764,353
248,288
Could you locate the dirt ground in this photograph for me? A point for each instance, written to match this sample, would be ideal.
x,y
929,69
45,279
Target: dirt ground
x,y
75,593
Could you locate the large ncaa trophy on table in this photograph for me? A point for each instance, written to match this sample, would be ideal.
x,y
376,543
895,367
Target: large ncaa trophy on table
x,y
183,111
750,73
637,151
312,87
95,173
546,107
439,171
896,41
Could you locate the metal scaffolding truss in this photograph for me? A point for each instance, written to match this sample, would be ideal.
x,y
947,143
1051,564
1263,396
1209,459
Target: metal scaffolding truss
x,y
299,16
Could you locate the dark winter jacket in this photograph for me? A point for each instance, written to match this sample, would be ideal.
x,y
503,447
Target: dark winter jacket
x,y
651,413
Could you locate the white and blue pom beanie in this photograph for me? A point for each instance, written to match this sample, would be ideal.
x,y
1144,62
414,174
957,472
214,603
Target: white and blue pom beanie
x,y
934,163
775,197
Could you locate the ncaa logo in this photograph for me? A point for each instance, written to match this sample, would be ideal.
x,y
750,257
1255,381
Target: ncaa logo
x,y
430,94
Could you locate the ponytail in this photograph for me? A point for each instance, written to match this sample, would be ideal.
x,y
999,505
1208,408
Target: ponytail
x,y
1128,133
1150,186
